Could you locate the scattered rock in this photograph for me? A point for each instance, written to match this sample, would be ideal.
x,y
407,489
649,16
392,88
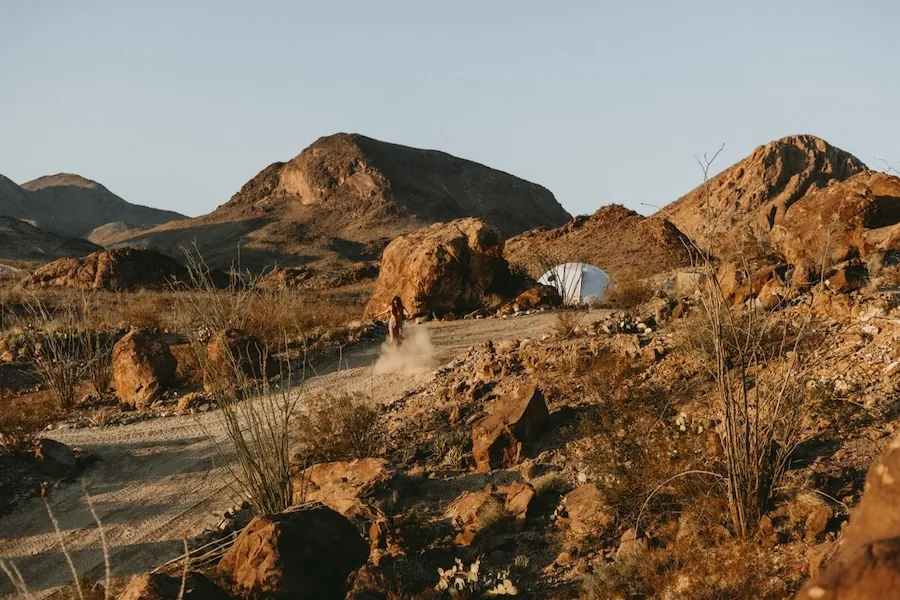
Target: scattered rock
x,y
305,553
474,511
631,544
142,368
813,512
518,497
516,417
191,401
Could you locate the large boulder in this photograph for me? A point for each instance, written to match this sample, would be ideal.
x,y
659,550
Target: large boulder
x,y
349,487
142,367
305,553
447,267
867,564
538,296
232,354
159,586
516,417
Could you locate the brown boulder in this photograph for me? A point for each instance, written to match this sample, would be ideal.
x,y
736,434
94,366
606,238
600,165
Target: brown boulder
x,y
349,487
539,296
732,283
846,279
234,354
867,564
142,367
159,586
447,267
812,513
587,510
373,583
305,552
56,459
516,417
517,498
473,512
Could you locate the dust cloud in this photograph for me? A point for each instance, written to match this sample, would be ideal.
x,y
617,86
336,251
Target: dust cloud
x,y
415,354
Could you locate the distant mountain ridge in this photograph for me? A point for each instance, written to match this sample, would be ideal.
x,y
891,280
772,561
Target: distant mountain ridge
x,y
74,206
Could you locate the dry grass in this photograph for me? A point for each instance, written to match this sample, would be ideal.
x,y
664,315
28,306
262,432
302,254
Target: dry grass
x,y
629,293
567,322
339,427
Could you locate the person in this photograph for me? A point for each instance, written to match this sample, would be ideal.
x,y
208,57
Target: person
x,y
398,315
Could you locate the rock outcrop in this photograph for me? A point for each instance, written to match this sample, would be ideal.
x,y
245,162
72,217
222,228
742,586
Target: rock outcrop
x,y
118,269
868,562
516,417
755,193
623,243
351,488
447,267
305,553
855,218
142,367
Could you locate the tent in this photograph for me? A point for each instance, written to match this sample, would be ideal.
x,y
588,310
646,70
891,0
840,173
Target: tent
x,y
577,283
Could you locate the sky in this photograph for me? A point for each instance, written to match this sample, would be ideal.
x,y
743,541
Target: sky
x,y
177,104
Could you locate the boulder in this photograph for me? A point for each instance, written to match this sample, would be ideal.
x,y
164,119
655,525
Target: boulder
x,y
631,544
349,487
539,296
473,512
447,267
811,513
867,565
385,540
373,583
733,284
516,417
847,279
142,368
587,510
305,552
517,498
56,459
159,586
232,354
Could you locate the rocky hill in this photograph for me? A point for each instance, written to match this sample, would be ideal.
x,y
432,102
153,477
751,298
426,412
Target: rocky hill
x,y
21,241
73,206
344,197
616,239
754,193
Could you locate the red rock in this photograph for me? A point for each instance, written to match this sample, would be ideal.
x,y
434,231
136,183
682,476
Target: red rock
x,y
142,368
447,267
304,553
587,510
349,487
516,417
159,586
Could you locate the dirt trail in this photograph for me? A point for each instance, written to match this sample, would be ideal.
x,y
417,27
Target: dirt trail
x,y
162,479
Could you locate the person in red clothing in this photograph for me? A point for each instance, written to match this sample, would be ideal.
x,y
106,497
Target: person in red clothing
x,y
398,315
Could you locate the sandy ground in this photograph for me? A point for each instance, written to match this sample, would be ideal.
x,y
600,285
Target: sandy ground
x,y
159,480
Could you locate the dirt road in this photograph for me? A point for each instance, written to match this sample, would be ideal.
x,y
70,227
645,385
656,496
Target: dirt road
x,y
162,479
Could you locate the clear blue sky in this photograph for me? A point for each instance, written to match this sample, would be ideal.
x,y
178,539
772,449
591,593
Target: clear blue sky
x,y
176,104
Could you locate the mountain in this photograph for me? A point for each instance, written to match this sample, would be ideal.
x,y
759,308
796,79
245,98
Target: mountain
x,y
620,241
753,194
344,197
73,206
21,241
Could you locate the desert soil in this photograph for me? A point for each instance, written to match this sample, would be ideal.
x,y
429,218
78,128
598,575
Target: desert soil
x,y
160,480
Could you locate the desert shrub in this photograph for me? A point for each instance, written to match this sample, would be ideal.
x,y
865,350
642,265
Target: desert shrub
x,y
98,348
145,309
628,293
339,426
731,570
566,323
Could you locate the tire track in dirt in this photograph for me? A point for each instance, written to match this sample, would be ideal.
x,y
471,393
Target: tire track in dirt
x,y
161,479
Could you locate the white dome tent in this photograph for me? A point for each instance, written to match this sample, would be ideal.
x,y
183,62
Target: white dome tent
x,y
577,283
